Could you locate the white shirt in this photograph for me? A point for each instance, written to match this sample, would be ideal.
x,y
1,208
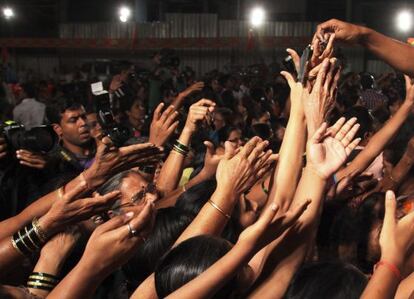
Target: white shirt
x,y
30,113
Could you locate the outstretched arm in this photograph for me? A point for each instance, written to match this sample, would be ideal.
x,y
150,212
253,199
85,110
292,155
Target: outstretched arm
x,y
378,142
380,45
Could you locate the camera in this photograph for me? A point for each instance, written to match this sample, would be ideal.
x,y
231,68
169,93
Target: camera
x,y
118,134
37,139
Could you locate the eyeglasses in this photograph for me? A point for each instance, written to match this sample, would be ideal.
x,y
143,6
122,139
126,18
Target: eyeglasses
x,y
136,199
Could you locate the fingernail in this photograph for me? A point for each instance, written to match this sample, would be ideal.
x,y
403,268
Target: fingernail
x,y
129,215
273,207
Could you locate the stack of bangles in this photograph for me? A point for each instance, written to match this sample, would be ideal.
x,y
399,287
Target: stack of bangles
x,y
42,281
29,239
181,148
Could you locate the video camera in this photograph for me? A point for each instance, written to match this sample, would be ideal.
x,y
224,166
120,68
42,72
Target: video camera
x,y
37,139
119,134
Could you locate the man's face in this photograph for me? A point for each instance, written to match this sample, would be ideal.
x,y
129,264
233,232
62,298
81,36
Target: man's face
x,y
73,127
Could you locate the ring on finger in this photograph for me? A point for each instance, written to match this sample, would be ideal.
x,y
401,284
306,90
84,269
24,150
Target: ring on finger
x,y
132,232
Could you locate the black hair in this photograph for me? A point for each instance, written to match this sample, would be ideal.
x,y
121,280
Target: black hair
x,y
224,133
367,81
349,96
196,197
30,90
264,131
188,260
333,280
114,183
258,94
363,118
367,215
168,226
55,109
226,113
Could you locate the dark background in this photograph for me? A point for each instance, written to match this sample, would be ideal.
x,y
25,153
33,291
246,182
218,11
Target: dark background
x,y
40,18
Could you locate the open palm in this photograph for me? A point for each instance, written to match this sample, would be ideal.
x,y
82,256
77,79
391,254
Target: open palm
x,y
329,148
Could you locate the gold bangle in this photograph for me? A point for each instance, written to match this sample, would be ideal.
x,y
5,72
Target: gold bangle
x,y
39,284
15,247
46,279
39,231
24,243
179,151
219,209
30,238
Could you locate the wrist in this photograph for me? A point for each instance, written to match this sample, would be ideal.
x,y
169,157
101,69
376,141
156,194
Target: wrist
x,y
48,224
49,263
185,136
393,259
363,35
312,170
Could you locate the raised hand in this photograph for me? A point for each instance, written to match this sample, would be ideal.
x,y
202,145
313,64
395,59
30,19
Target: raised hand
x,y
397,235
322,98
115,241
271,224
328,150
409,89
68,209
319,52
343,31
110,160
199,112
163,124
240,169
211,160
198,86
29,159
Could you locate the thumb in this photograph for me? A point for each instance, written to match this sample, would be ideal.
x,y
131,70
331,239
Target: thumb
x,y
289,78
209,147
229,150
390,209
267,216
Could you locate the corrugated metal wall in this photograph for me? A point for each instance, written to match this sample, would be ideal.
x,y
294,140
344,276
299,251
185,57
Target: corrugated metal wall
x,y
182,26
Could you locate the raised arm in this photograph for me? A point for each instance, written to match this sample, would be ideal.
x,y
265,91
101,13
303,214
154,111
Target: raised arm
x,y
378,142
109,247
172,169
108,161
380,45
179,100
271,224
396,241
236,173
325,154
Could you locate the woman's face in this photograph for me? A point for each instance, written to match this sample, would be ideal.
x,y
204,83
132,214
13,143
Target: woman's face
x,y
219,121
235,137
136,114
135,191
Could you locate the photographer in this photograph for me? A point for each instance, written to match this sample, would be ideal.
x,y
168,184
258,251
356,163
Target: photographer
x,y
76,147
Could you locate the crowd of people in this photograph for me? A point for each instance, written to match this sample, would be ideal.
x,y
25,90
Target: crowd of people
x,y
297,184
